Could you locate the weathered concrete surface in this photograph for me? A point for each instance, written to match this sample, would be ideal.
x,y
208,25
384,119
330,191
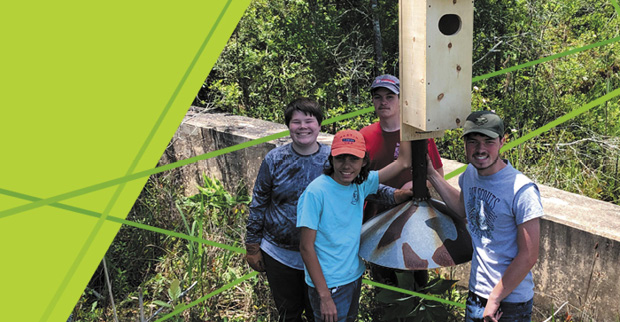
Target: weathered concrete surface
x,y
202,133
580,237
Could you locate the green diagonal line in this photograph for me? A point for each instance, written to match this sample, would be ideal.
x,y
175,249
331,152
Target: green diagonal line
x,y
206,297
42,202
562,119
56,205
424,296
175,234
131,168
348,115
570,115
146,173
138,175
456,172
616,6
106,184
125,222
544,59
80,256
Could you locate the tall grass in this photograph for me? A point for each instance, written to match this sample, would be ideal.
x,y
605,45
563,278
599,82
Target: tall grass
x,y
163,266
170,271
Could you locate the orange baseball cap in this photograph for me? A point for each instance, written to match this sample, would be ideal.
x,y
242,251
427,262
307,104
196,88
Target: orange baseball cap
x,y
349,142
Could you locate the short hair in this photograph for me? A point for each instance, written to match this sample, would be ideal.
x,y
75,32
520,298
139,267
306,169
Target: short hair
x,y
307,106
328,169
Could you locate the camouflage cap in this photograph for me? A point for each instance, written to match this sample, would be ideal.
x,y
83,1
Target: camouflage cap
x,y
484,122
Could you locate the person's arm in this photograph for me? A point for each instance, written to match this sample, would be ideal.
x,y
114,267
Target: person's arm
x,y
450,195
401,163
389,196
440,171
528,239
308,254
261,197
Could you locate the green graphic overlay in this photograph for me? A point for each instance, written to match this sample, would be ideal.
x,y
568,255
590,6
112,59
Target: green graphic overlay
x,y
37,202
404,291
616,6
90,92
91,71
510,145
545,59
132,168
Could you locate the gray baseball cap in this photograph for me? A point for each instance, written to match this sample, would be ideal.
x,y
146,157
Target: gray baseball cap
x,y
484,122
388,81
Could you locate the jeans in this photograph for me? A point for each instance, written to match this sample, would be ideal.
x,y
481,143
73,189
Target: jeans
x,y
346,297
289,289
511,312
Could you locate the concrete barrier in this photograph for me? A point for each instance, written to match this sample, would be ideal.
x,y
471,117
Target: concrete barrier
x,y
580,237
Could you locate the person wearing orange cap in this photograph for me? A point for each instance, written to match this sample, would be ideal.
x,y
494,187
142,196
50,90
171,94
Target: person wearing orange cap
x,y
272,238
330,213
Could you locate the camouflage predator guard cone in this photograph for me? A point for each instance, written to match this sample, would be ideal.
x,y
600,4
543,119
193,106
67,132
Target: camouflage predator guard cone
x,y
418,234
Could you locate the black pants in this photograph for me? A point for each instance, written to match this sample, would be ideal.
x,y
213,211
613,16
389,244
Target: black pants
x,y
289,290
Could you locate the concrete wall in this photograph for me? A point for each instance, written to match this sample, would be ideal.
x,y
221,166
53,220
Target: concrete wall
x,y
204,133
580,237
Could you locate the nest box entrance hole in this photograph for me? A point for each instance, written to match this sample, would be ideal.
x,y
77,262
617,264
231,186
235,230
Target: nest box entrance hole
x,y
449,24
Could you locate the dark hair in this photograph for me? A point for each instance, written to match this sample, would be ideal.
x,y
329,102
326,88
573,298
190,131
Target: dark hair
x,y
305,105
328,169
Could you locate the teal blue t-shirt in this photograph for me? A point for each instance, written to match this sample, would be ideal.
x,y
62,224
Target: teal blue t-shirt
x,y
335,212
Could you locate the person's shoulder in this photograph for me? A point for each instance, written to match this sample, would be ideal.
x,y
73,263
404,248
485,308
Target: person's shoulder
x,y
521,180
318,184
469,169
511,171
369,129
321,179
324,149
373,177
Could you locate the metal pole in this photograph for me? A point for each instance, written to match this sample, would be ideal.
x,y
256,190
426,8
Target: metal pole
x,y
418,169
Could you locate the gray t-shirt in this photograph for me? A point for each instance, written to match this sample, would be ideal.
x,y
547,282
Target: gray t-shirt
x,y
495,206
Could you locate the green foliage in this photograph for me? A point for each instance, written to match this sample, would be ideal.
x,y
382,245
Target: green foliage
x,y
213,214
284,49
582,151
324,49
214,195
411,308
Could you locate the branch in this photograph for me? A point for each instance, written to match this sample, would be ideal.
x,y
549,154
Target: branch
x,y
492,50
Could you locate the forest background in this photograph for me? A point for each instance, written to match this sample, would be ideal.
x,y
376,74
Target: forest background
x,y
331,51
533,63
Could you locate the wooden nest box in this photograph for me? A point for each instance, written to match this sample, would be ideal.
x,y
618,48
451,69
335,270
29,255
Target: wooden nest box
x,y
435,66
